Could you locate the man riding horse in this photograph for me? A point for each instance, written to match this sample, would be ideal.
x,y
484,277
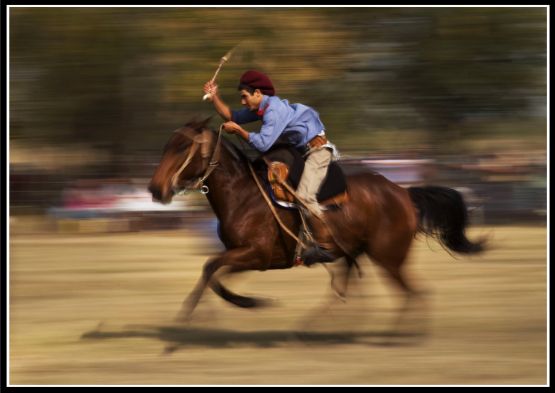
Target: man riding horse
x,y
295,124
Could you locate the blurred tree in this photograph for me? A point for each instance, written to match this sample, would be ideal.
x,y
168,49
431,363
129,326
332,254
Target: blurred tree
x,y
382,78
434,68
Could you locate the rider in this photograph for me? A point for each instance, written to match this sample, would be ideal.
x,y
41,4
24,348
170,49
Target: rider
x,y
301,127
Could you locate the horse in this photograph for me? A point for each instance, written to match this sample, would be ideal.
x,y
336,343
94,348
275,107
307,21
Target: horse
x,y
379,219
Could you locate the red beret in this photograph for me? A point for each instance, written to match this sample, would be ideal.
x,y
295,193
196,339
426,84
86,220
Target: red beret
x,y
257,80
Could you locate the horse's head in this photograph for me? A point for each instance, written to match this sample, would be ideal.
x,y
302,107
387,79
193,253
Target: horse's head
x,y
184,161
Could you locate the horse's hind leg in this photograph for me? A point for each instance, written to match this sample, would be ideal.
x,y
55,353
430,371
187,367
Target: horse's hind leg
x,y
411,317
230,258
392,258
340,274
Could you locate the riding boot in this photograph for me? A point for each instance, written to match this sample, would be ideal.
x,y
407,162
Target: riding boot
x,y
323,246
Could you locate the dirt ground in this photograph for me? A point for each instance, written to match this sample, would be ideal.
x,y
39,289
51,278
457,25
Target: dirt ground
x,y
98,309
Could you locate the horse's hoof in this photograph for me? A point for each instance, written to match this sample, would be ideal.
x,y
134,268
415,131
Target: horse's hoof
x,y
183,317
340,295
263,302
254,302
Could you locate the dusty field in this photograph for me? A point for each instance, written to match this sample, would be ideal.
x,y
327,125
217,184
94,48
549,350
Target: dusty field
x,y
98,310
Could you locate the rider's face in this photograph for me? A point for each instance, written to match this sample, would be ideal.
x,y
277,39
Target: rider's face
x,y
251,101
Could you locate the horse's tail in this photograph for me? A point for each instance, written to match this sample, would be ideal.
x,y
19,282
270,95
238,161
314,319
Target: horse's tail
x,y
442,214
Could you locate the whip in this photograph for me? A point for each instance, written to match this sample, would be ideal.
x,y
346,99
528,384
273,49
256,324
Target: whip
x,y
222,62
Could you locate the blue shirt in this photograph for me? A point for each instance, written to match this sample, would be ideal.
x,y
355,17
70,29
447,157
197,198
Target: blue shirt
x,y
298,123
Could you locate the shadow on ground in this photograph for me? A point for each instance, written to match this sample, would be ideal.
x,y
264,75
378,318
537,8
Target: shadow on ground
x,y
178,337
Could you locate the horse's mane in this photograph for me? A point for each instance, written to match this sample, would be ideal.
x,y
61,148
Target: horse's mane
x,y
237,153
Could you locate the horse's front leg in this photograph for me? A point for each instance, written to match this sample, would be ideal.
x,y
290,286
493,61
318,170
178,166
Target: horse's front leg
x,y
230,258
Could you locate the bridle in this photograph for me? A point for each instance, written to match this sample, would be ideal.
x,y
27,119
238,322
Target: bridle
x,y
203,141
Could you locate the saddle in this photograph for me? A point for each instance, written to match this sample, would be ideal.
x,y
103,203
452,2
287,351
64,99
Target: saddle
x,y
287,165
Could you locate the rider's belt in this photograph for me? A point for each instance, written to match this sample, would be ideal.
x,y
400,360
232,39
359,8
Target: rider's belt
x,y
317,141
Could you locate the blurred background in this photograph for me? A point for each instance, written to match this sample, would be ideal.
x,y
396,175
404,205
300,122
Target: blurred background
x,y
446,96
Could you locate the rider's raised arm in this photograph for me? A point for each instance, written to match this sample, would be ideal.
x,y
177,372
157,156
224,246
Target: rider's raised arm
x,y
211,89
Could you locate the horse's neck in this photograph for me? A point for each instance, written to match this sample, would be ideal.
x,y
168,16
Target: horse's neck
x,y
226,182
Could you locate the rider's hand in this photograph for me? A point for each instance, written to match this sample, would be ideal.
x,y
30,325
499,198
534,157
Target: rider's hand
x,y
231,127
211,88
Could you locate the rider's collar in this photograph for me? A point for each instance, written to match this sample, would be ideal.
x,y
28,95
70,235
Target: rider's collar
x,y
263,106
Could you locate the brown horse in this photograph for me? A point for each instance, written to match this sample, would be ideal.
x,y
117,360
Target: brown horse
x,y
380,219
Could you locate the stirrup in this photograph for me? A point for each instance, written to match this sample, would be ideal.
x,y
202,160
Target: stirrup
x,y
304,236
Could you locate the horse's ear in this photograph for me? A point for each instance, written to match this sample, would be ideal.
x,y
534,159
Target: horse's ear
x,y
203,123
